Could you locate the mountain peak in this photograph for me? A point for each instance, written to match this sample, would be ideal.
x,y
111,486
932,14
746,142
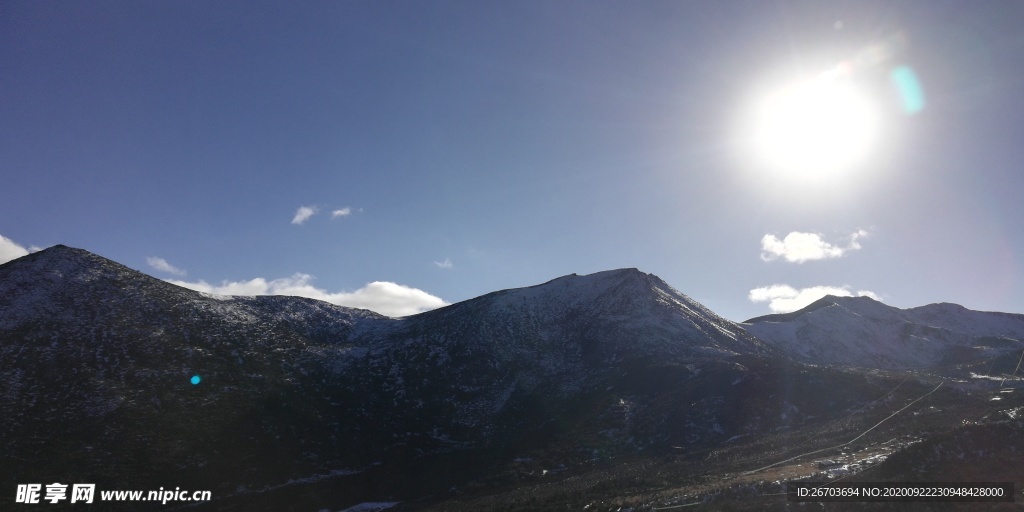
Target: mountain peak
x,y
619,287
845,300
65,271
626,298
629,271
58,253
599,276
851,303
61,261
941,307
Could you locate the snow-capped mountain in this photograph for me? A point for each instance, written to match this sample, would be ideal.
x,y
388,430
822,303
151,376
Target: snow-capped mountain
x,y
861,331
113,377
291,388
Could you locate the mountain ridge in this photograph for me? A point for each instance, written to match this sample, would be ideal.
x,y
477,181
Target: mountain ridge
x,y
300,387
861,331
305,405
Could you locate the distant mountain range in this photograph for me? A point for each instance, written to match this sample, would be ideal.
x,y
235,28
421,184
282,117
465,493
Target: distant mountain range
x,y
860,331
304,405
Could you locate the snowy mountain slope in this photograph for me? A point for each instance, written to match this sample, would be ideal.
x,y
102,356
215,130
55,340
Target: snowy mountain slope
x,y
979,324
516,360
619,312
293,387
100,357
860,331
303,405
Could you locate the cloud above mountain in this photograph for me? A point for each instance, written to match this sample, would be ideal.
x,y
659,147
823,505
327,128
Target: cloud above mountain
x,y
782,298
9,250
798,247
163,266
383,297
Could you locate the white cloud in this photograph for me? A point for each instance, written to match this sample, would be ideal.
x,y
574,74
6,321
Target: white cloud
x,y
383,297
447,263
303,214
10,250
344,212
162,265
799,247
854,244
782,298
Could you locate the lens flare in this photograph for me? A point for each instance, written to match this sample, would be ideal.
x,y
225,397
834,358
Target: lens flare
x,y
911,94
195,380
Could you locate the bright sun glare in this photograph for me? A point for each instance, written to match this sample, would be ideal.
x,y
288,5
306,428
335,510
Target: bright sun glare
x,y
816,128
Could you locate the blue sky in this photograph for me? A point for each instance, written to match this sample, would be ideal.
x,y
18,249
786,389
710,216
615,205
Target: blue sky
x,y
400,155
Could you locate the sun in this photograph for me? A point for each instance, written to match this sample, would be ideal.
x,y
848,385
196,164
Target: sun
x,y
815,129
